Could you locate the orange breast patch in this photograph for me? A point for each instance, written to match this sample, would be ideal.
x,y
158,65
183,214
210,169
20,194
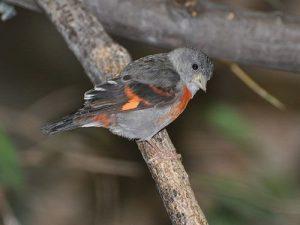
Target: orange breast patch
x,y
178,108
184,100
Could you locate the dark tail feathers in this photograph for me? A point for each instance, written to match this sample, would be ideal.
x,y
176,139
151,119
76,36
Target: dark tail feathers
x,y
65,124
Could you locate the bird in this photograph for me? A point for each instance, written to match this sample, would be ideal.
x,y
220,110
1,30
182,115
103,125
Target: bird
x,y
148,95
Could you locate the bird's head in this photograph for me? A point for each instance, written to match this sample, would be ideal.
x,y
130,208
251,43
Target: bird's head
x,y
193,66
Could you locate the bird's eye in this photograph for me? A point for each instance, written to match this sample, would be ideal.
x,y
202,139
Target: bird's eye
x,y
126,77
195,66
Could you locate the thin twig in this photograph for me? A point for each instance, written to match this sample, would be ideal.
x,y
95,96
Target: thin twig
x,y
247,80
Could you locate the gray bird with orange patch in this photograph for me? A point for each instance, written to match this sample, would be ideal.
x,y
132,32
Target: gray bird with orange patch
x,y
150,93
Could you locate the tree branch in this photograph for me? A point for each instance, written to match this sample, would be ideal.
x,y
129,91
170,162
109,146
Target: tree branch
x,y
265,39
99,55
171,180
85,36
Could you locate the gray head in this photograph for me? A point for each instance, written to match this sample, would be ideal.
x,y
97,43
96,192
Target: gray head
x,y
193,66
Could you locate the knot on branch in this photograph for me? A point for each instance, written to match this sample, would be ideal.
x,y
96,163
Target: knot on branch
x,y
189,6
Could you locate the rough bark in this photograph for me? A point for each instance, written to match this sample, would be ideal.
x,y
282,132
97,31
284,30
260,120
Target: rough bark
x,y
98,54
269,40
171,179
101,57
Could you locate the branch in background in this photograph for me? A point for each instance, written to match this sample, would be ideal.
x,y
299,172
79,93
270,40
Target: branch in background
x,y
7,11
74,159
90,163
247,80
265,39
28,4
101,57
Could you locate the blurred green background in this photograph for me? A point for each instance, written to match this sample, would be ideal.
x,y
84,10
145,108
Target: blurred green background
x,y
242,154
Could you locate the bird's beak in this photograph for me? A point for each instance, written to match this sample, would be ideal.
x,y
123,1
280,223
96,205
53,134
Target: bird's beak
x,y
201,80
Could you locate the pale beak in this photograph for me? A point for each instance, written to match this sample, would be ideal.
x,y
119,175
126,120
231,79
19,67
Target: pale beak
x,y
201,80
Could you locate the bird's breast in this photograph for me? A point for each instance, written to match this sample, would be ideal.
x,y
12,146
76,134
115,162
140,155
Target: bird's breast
x,y
180,106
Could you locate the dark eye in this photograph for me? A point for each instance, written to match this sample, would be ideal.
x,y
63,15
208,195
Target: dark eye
x,y
126,77
195,66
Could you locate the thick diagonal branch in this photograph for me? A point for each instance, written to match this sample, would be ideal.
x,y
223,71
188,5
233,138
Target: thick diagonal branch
x,y
269,40
86,37
101,57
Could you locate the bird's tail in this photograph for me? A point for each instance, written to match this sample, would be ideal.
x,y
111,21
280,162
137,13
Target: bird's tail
x,y
67,123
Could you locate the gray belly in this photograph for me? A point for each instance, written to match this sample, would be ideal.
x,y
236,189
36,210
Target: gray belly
x,y
141,124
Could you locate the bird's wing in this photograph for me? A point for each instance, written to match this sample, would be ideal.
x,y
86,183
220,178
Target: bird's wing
x,y
153,69
145,83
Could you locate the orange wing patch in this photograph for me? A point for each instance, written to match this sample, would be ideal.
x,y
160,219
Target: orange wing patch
x,y
134,100
104,119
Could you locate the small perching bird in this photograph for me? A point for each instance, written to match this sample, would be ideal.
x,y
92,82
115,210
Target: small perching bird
x,y
150,93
